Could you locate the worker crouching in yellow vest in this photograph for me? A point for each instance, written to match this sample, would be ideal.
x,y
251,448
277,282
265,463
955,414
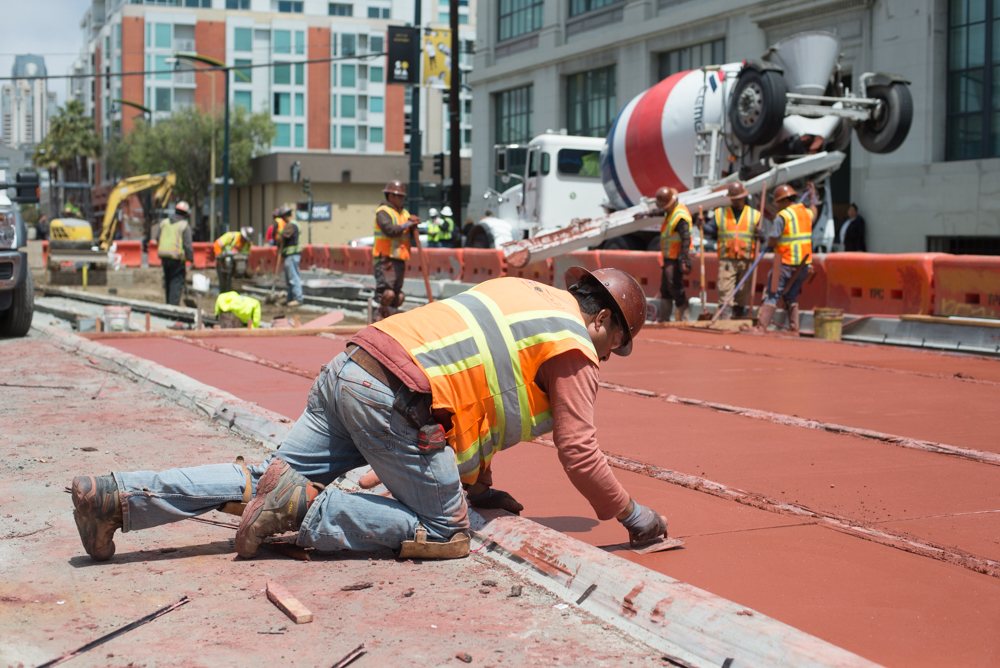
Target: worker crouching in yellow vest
x,y
791,238
393,227
427,398
737,230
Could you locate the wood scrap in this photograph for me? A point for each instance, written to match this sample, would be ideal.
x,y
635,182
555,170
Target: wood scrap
x,y
288,604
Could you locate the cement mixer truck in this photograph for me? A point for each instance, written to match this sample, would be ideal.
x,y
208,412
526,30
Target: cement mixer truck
x,y
784,119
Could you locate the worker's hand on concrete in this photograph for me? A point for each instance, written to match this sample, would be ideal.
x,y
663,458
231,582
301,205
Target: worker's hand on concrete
x,y
644,524
494,499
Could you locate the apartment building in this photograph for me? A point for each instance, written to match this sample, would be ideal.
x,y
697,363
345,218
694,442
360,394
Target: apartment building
x,y
329,114
573,64
26,104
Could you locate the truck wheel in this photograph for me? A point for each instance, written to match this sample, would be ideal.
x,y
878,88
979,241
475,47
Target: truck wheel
x,y
757,106
888,127
627,242
479,237
16,321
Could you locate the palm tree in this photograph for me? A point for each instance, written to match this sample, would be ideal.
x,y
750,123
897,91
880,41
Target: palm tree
x,y
70,140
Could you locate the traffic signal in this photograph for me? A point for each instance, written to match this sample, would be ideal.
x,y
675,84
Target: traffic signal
x,y
307,185
28,191
439,163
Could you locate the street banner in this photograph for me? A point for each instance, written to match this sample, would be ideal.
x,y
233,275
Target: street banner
x,y
403,54
437,58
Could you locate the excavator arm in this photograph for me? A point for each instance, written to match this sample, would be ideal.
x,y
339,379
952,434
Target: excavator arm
x,y
163,182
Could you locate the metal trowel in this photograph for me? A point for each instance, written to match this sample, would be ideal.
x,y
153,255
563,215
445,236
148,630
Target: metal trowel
x,y
658,544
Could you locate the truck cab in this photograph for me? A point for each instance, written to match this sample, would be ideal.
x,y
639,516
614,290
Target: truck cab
x,y
17,292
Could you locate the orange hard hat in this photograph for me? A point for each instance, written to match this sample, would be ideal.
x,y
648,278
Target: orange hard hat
x,y
394,188
784,191
627,295
736,191
666,198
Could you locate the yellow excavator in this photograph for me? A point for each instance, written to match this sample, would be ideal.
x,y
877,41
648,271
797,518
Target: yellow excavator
x,y
73,234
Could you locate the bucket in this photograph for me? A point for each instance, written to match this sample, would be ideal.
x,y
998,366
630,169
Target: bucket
x,y
116,318
828,323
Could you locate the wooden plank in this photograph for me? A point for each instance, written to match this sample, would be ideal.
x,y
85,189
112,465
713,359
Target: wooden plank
x,y
288,604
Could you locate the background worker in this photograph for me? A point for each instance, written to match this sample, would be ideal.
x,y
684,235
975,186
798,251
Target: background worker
x,y
287,237
226,248
433,228
737,228
446,235
393,227
281,216
791,239
174,248
675,242
850,234
427,426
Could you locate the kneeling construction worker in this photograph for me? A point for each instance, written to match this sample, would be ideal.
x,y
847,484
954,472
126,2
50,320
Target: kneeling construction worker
x,y
791,239
226,248
393,227
427,398
737,229
675,243
175,248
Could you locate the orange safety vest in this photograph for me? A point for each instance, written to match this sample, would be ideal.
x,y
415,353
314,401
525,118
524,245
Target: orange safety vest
x,y
795,244
737,240
670,240
481,350
394,247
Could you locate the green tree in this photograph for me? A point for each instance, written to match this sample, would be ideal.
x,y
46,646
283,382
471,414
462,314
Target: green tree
x,y
70,140
182,144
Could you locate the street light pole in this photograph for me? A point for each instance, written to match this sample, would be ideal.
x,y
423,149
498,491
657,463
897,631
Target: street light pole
x,y
225,162
415,138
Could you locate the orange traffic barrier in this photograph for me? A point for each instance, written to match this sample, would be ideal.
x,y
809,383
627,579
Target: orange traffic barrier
x,y
45,253
359,260
325,256
692,281
538,271
152,257
876,283
262,259
442,263
967,285
482,264
204,254
645,267
586,259
130,252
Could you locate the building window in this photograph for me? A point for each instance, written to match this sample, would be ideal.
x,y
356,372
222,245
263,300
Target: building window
x,y
162,67
289,7
300,104
162,99
204,4
514,116
333,136
118,35
377,43
300,135
339,9
346,136
347,45
376,105
333,106
282,73
163,32
237,4
583,6
444,17
973,80
373,12
242,98
590,102
282,41
149,34
282,104
692,57
964,245
300,42
284,136
386,13
242,39
376,75
375,135
347,76
242,69
300,74
347,106
518,17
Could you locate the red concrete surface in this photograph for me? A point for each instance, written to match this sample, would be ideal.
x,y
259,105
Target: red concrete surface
x,y
307,353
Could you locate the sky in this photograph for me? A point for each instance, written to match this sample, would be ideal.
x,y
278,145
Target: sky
x,y
49,28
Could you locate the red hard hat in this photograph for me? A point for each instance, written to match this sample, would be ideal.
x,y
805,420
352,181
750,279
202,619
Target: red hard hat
x,y
666,198
627,295
784,191
736,191
395,188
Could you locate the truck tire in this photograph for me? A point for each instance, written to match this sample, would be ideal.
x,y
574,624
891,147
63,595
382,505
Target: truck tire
x,y
757,106
479,237
16,321
884,133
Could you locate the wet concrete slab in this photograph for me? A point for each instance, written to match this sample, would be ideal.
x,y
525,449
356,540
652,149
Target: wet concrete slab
x,y
977,532
53,599
301,352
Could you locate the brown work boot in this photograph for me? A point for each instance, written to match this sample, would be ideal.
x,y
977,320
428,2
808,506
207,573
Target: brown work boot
x,y
793,318
280,504
98,514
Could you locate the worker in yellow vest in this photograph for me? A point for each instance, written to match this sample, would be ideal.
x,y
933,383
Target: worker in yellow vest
x,y
675,243
226,248
737,228
427,398
394,226
174,248
791,238
289,242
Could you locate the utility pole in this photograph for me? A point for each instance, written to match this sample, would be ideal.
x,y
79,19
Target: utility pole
x,y
415,137
455,120
211,202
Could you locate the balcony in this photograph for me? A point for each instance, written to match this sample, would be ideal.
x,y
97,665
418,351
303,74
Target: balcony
x,y
184,45
183,76
363,115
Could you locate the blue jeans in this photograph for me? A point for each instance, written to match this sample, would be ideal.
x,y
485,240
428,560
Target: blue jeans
x,y
786,275
292,277
348,422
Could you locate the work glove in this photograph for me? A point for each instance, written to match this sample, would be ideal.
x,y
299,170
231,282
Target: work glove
x,y
644,524
494,499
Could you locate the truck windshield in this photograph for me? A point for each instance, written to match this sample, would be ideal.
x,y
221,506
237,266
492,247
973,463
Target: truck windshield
x,y
577,162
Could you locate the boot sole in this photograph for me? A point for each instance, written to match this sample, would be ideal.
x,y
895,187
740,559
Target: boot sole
x,y
265,486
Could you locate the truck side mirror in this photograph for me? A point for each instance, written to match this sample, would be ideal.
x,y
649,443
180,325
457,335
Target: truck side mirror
x,y
500,162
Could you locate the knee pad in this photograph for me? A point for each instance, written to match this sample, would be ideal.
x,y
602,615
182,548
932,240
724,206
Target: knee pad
x,y
399,300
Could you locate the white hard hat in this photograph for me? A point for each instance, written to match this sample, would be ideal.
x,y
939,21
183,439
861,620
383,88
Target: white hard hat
x,y
433,212
446,211
247,232
183,207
